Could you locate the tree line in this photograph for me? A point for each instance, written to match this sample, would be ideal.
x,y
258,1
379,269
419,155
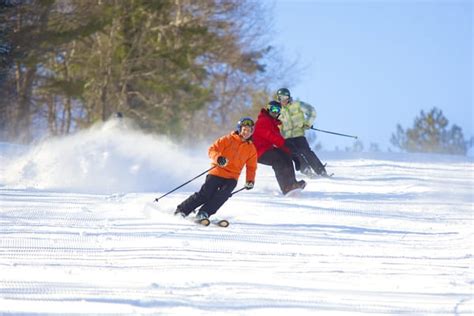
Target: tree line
x,y
176,67
185,68
430,133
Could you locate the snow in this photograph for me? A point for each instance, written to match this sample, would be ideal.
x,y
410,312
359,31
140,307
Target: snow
x,y
390,234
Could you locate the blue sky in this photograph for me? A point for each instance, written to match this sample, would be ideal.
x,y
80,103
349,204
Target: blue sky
x,y
369,65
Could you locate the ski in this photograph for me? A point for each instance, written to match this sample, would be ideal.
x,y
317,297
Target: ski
x,y
308,172
217,222
294,192
221,222
318,176
328,175
206,221
203,221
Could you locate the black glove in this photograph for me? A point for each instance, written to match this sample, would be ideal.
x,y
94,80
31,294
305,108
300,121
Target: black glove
x,y
249,185
222,161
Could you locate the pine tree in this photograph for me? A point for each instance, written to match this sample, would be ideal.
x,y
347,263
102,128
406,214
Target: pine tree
x,y
430,134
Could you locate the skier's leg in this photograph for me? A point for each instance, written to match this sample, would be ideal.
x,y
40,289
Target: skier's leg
x,y
220,196
291,144
282,166
309,156
297,162
197,199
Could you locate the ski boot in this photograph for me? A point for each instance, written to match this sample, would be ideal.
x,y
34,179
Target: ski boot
x,y
202,218
301,184
294,188
179,212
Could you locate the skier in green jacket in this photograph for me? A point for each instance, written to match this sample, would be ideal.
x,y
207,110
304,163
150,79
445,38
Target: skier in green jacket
x,y
296,118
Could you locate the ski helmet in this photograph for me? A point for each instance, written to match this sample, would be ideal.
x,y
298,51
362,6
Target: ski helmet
x,y
283,93
274,108
245,121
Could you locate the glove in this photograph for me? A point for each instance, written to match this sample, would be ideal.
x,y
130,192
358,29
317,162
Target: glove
x,y
249,185
306,126
222,161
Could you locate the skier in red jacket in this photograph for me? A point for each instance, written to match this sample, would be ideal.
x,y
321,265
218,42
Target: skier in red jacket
x,y
271,149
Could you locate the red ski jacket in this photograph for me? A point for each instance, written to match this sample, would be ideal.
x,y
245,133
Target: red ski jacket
x,y
267,134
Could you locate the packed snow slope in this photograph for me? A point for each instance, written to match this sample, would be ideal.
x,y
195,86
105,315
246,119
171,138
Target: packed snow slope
x,y
390,234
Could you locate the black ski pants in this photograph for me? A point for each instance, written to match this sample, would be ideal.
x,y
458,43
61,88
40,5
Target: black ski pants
x,y
282,166
213,194
303,156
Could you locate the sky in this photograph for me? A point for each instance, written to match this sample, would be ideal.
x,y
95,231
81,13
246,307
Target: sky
x,y
390,234
367,66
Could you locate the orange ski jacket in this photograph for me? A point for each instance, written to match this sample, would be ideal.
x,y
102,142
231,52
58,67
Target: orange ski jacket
x,y
239,152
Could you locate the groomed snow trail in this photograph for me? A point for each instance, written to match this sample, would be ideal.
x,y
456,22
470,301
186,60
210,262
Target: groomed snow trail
x,y
384,237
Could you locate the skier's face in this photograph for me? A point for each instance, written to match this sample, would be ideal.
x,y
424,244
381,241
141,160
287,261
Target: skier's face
x,y
284,99
246,132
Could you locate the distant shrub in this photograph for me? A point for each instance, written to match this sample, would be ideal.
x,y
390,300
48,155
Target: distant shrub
x,y
430,134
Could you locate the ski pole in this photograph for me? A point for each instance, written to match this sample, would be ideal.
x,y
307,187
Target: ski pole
x,y
237,191
182,185
321,130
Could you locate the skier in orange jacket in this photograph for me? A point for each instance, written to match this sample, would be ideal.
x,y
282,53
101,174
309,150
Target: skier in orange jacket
x,y
229,154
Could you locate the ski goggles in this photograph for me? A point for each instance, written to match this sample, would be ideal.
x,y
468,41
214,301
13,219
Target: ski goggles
x,y
283,98
274,109
247,122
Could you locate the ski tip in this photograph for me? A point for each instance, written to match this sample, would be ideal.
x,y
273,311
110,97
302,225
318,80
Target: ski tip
x,y
204,221
223,223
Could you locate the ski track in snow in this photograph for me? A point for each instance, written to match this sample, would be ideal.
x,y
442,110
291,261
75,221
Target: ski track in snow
x,y
386,237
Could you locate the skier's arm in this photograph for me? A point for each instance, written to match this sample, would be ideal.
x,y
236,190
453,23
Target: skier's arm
x,y
251,167
309,114
216,149
274,138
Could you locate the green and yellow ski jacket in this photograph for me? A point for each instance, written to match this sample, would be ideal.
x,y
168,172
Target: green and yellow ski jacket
x,y
296,118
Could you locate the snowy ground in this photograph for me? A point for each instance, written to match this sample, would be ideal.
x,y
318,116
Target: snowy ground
x,y
80,234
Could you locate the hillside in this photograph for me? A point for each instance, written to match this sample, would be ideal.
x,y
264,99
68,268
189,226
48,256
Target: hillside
x,y
389,234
